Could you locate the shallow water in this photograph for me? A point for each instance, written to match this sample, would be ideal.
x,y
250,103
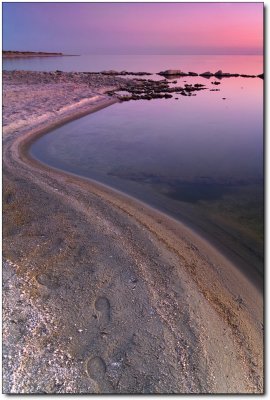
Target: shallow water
x,y
198,158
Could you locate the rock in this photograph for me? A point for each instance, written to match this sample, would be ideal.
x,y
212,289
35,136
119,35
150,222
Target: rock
x,y
215,83
145,97
110,72
247,76
156,96
192,74
207,73
219,73
124,98
170,72
135,73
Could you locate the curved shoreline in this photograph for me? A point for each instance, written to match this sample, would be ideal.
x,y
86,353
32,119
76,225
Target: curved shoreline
x,y
236,257
125,202
216,279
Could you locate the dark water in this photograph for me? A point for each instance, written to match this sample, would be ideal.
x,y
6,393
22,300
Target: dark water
x,y
198,158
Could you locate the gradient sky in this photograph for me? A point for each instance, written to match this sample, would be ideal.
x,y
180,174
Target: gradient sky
x,y
134,28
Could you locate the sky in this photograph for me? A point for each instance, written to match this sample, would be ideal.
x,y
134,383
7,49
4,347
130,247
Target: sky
x,y
134,28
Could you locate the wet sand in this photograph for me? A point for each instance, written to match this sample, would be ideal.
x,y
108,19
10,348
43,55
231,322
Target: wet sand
x,y
103,294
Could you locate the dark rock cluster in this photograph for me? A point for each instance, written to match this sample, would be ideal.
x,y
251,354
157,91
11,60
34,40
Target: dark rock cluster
x,y
176,72
147,89
121,73
111,72
219,74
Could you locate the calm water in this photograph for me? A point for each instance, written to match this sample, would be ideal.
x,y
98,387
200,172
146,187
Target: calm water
x,y
198,158
154,63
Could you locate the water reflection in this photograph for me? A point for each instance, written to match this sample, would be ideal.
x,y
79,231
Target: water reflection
x,y
198,158
153,63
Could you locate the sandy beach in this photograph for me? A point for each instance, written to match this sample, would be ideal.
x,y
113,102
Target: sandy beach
x,y
102,293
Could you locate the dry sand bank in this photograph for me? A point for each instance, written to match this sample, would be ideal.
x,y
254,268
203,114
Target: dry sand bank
x,y
102,293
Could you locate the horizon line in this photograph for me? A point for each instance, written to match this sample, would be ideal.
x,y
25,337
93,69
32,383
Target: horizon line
x,y
138,54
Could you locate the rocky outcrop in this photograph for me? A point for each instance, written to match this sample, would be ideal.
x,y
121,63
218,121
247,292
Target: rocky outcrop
x,y
207,74
176,72
147,89
172,72
247,76
220,74
112,72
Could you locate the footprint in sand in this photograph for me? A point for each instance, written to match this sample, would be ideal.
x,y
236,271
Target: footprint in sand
x,y
102,305
96,368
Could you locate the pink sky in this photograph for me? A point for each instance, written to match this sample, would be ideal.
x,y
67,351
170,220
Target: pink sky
x,y
155,28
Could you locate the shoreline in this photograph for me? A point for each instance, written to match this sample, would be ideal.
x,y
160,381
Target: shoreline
x,y
126,202
255,276
199,264
28,54
237,257
117,198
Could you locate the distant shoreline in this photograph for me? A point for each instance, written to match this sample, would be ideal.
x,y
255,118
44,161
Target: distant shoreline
x,y
22,54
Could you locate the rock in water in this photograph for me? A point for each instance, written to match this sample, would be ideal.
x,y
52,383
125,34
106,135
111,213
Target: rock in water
x,y
219,73
207,73
169,72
